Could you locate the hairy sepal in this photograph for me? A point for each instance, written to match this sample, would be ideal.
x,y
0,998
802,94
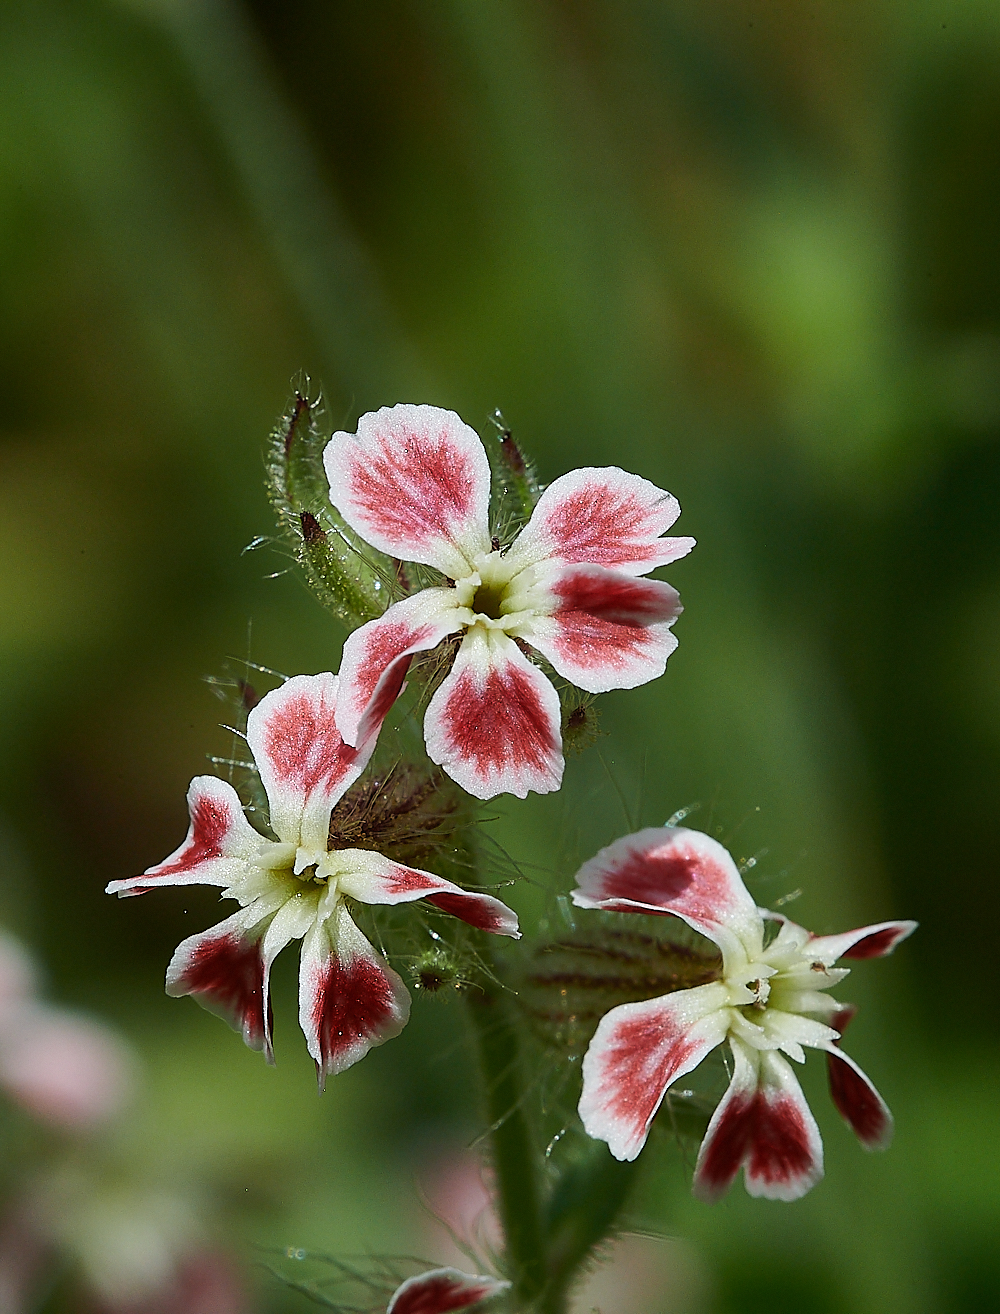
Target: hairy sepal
x,y
571,982
515,485
350,579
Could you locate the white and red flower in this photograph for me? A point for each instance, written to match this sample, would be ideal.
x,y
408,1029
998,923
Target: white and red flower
x,y
295,887
769,1003
442,1289
414,481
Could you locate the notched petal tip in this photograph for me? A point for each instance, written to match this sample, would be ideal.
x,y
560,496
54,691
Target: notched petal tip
x,y
350,999
126,889
764,1126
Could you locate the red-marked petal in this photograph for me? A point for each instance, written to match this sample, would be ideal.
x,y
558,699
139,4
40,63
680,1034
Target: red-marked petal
x,y
671,870
866,942
441,1290
219,842
374,879
637,1051
415,482
377,657
605,630
604,517
350,999
859,1103
304,764
224,970
764,1126
493,725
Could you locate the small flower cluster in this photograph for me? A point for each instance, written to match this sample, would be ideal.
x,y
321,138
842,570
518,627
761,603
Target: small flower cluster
x,y
414,482
496,619
295,887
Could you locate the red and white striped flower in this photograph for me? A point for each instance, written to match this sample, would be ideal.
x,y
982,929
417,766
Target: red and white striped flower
x,y
443,1289
296,887
769,1003
415,482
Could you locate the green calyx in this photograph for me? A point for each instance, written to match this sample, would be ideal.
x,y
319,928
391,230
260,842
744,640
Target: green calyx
x,y
350,579
515,483
569,984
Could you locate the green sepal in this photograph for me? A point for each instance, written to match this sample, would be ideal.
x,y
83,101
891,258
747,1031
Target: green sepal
x,y
515,483
568,984
350,579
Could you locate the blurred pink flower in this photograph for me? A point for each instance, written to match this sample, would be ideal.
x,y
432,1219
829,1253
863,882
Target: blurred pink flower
x,y
139,1249
462,1208
636,1274
18,978
64,1069
204,1283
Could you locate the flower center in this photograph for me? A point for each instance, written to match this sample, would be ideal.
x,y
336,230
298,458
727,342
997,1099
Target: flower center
x,y
488,599
312,867
750,988
486,590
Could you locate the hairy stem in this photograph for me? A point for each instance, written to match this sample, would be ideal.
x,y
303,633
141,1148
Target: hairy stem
x,y
515,1156
580,1214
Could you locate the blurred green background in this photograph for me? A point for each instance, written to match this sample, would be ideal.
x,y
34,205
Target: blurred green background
x,y
746,248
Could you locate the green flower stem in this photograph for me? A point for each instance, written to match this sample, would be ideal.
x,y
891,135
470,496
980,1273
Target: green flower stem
x,y
580,1214
515,1156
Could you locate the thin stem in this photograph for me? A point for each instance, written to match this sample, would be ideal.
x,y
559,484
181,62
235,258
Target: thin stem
x,y
515,1156
580,1214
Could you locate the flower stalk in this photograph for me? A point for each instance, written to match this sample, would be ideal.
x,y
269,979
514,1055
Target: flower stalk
x,y
514,1153
581,1213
